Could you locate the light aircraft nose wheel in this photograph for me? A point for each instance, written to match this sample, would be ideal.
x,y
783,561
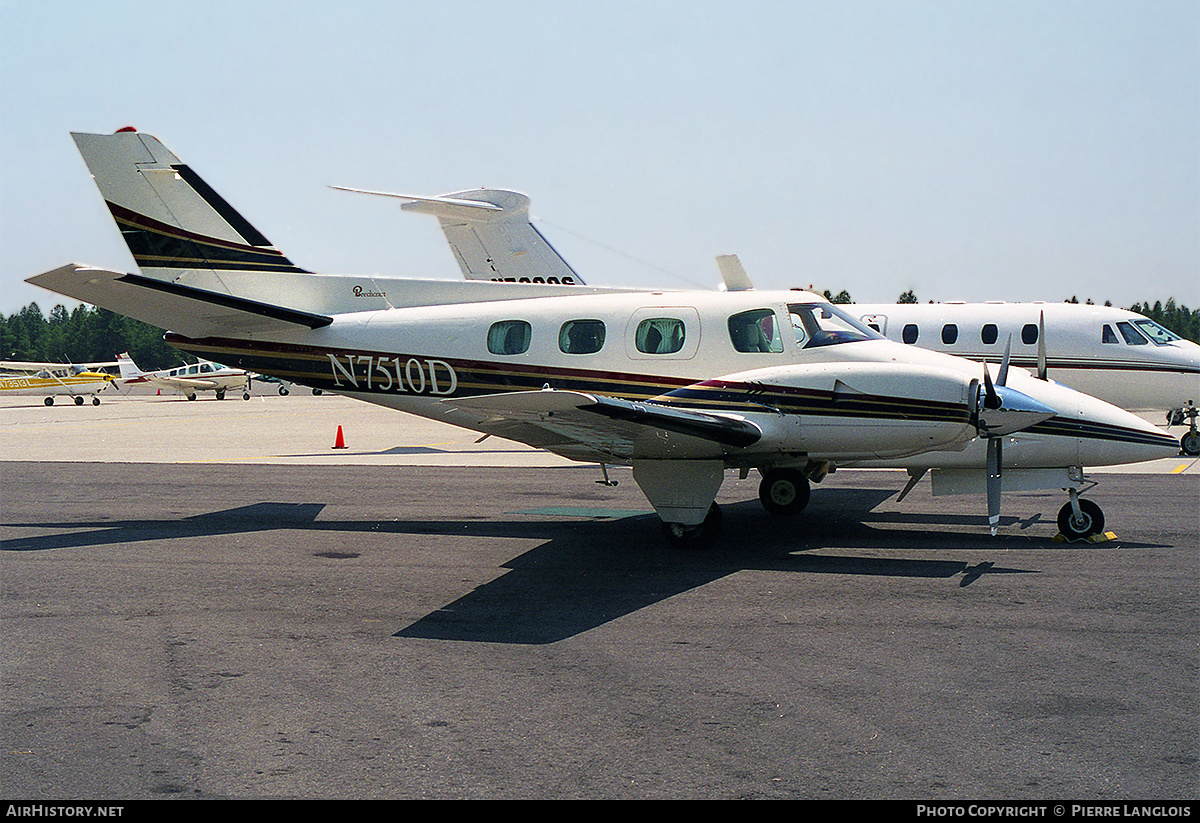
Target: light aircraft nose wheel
x,y
245,395
1190,443
1091,520
784,491
696,537
49,401
95,401
78,401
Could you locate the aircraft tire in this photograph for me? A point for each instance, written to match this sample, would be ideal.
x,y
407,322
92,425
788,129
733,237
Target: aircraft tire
x,y
191,397
696,537
283,391
78,400
1190,443
95,401
49,401
784,491
1092,523
246,395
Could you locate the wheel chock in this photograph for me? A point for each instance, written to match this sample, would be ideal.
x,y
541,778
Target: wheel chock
x,y
1103,537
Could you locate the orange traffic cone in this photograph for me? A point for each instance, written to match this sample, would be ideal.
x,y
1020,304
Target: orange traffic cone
x,y
340,442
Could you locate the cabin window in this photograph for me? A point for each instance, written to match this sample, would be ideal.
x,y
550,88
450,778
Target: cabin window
x,y
989,333
659,335
910,333
949,334
1108,335
1132,336
509,337
755,331
1029,333
581,336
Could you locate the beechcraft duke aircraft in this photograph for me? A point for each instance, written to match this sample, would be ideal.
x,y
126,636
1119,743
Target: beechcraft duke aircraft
x,y
681,386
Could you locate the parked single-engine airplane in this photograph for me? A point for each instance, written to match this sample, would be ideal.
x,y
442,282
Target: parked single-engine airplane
x,y
1112,354
188,379
680,386
53,380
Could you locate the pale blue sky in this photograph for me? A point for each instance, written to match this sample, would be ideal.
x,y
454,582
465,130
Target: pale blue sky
x,y
967,150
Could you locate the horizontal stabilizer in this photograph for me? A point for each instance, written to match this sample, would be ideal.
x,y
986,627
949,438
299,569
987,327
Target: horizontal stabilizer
x,y
184,309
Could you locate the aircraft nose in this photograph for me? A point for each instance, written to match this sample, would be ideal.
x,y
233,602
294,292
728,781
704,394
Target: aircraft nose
x,y
1111,436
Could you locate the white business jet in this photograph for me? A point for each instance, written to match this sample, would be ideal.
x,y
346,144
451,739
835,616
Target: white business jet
x,y
681,386
1112,354
188,379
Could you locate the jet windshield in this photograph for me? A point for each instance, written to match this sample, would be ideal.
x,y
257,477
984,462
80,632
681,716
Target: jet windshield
x,y
1156,332
823,324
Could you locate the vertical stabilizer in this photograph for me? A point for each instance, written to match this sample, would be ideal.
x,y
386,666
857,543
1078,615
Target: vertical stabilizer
x,y
491,236
172,221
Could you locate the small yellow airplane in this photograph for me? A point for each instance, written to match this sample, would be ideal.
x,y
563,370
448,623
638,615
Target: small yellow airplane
x,y
53,380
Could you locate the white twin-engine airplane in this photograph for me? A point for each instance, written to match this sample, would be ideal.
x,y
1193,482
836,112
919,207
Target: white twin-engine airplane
x,y
1109,353
188,379
681,386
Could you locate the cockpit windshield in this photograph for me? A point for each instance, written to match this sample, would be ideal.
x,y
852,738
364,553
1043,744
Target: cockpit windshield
x,y
1155,332
823,324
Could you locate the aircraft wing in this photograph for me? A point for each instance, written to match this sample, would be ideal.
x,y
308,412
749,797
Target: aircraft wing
x,y
183,383
574,423
169,305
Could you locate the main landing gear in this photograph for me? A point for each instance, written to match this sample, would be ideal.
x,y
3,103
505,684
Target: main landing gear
x,y
696,537
782,492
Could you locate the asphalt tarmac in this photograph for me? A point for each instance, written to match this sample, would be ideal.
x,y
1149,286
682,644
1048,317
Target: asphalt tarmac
x,y
206,600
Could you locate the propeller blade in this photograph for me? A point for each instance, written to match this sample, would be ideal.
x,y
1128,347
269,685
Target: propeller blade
x,y
994,469
991,400
1003,378
1041,355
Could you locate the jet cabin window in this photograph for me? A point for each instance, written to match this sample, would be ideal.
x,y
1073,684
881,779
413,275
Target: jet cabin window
x,y
1108,335
823,324
989,333
1029,333
949,334
755,331
581,336
661,335
910,333
509,337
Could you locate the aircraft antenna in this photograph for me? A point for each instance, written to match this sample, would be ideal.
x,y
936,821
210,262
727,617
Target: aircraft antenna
x,y
627,256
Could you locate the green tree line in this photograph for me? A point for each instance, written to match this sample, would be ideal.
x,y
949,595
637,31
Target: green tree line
x,y
85,335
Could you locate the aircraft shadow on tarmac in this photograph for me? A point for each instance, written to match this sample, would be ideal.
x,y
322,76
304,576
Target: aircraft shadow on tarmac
x,y
591,570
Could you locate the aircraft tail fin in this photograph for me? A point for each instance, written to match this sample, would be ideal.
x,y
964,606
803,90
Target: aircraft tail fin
x,y
129,369
491,235
172,221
